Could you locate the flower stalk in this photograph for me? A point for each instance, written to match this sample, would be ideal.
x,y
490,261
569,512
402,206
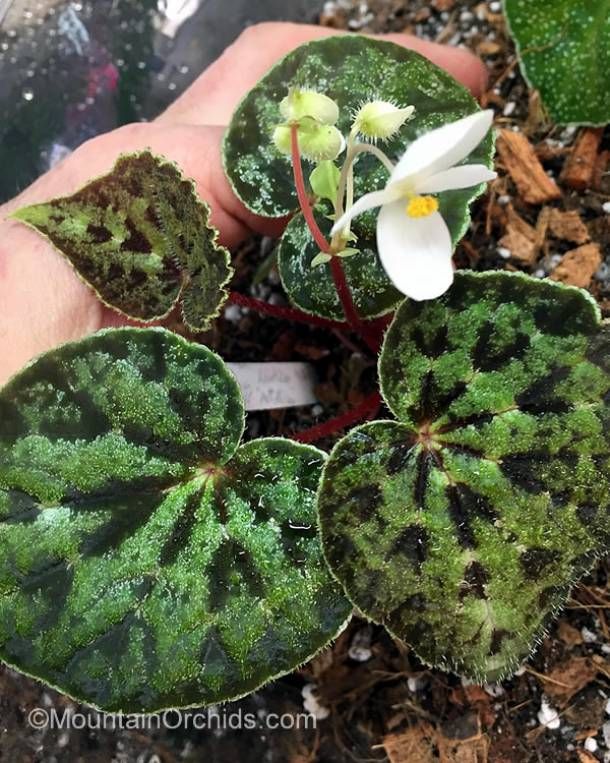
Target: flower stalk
x,y
302,195
336,266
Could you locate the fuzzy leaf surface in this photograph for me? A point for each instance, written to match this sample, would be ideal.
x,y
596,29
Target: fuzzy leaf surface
x,y
462,525
141,238
147,560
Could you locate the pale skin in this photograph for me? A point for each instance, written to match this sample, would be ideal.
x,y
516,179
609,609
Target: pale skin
x,y
42,301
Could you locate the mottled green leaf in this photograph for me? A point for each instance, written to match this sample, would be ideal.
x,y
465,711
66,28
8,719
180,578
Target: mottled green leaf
x,y
564,49
462,525
141,238
147,561
312,287
350,69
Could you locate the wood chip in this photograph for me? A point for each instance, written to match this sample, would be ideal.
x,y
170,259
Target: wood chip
x,y
586,757
603,666
470,751
524,167
542,226
578,266
568,226
568,678
411,746
488,48
520,238
601,168
585,734
581,164
523,240
443,5
569,634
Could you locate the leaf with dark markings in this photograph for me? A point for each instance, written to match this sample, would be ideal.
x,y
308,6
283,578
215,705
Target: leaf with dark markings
x,y
147,560
347,68
141,239
490,495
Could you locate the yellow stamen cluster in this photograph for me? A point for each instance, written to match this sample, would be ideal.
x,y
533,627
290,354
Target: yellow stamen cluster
x,y
422,206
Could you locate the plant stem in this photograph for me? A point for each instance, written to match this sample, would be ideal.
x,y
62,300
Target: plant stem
x,y
367,409
353,151
302,195
284,313
336,267
345,295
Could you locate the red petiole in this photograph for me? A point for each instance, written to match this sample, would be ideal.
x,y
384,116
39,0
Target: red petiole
x,y
366,410
303,196
336,266
284,313
371,333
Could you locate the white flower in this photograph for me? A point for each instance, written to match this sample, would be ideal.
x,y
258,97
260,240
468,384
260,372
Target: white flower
x,y
413,240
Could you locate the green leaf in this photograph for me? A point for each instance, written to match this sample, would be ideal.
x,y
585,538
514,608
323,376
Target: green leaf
x,y
564,49
348,69
141,239
147,561
324,180
462,525
312,288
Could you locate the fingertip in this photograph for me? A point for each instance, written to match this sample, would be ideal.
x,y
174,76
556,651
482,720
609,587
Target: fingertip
x,y
461,63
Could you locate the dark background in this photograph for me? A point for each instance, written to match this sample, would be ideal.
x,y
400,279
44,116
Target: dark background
x,y
70,70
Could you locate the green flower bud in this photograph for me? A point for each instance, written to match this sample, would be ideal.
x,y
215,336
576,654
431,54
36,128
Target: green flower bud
x,y
324,180
317,142
307,103
380,119
283,139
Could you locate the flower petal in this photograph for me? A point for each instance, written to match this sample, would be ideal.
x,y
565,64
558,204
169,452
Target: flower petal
x,y
444,147
366,202
415,252
457,177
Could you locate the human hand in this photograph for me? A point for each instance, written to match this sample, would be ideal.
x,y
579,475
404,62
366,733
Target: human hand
x,y
43,302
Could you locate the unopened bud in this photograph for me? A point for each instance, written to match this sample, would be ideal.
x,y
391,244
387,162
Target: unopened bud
x,y
317,142
307,103
282,139
324,180
381,119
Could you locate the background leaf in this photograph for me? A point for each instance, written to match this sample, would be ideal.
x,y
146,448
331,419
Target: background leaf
x,y
147,561
349,69
140,237
462,525
564,47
